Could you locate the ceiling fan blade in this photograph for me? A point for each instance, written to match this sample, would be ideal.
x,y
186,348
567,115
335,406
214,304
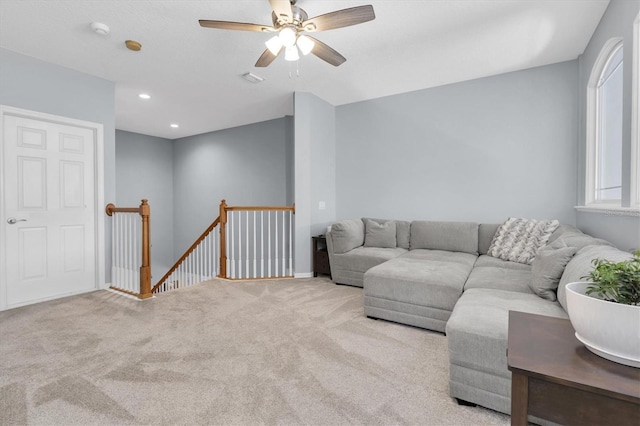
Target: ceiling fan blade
x,y
266,58
326,53
239,26
282,9
340,18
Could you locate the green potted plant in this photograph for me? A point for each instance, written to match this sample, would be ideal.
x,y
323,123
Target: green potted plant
x,y
616,281
605,311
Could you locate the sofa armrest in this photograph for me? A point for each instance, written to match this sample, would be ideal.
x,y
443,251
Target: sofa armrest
x,y
345,236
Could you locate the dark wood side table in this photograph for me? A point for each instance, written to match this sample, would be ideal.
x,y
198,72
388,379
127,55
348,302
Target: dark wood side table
x,y
555,377
320,256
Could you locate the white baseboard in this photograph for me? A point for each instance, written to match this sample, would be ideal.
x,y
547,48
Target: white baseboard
x,y
128,296
303,275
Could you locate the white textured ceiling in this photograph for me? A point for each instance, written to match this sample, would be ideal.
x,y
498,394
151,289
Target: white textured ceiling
x,y
193,73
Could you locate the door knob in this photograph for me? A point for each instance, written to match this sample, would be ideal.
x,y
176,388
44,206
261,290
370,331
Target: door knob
x,y
13,220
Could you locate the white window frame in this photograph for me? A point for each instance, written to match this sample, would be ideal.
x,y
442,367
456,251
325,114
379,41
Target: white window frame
x,y
635,117
593,122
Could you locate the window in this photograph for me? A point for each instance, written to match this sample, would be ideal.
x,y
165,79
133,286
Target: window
x,y
635,117
609,135
604,131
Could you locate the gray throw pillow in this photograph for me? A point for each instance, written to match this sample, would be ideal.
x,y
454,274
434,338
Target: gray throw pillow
x,y
547,269
379,234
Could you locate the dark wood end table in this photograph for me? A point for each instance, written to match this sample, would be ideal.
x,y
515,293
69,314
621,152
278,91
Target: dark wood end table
x,y
555,377
320,256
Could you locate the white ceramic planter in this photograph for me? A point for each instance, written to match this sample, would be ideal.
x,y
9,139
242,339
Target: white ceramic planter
x,y
610,330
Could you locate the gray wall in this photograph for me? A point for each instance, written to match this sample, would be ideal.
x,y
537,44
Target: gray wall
x,y
481,150
315,173
144,169
624,231
245,165
35,85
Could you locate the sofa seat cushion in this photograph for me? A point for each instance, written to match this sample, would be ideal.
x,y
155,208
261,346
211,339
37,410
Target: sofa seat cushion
x,y
499,278
485,260
362,259
430,278
477,329
450,236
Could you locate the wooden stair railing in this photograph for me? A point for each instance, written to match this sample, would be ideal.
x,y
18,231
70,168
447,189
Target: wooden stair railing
x,y
163,281
256,266
204,247
124,255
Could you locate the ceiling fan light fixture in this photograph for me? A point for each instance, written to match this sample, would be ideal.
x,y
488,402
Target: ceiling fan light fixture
x,y
287,36
291,54
274,44
305,44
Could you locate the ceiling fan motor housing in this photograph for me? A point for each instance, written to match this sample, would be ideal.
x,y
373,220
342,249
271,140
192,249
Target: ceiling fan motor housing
x,y
299,16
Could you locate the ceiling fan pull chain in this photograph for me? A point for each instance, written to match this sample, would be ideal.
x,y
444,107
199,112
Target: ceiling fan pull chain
x,y
297,68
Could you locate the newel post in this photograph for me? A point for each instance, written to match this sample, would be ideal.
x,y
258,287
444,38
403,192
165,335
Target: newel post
x,y
145,268
223,239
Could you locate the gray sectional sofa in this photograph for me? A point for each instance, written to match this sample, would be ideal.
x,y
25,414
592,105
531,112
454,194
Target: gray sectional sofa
x,y
439,276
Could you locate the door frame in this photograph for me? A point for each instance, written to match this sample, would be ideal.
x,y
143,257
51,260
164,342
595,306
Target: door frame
x,y
98,160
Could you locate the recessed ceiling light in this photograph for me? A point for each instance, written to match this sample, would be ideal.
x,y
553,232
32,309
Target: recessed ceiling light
x,y
144,96
174,125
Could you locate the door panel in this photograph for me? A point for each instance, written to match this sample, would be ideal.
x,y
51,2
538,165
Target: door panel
x,y
49,188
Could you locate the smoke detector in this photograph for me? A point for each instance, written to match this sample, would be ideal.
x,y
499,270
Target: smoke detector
x,y
100,28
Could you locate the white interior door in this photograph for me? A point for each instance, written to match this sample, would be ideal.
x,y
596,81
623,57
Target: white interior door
x,y
49,206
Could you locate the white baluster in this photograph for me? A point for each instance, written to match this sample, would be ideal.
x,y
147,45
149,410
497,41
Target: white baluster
x,y
227,242
255,256
269,245
246,266
114,248
233,263
136,250
205,259
119,251
262,244
123,256
290,244
277,259
284,271
132,280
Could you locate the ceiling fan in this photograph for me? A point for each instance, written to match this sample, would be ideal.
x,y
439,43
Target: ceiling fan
x,y
290,23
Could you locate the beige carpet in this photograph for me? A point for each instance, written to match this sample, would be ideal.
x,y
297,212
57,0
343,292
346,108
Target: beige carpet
x,y
264,352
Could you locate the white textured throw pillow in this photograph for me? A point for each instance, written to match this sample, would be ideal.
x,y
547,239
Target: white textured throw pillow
x,y
518,240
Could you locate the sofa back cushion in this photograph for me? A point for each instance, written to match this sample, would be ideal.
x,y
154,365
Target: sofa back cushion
x,y
379,234
347,235
580,240
581,265
403,233
561,230
450,236
486,231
